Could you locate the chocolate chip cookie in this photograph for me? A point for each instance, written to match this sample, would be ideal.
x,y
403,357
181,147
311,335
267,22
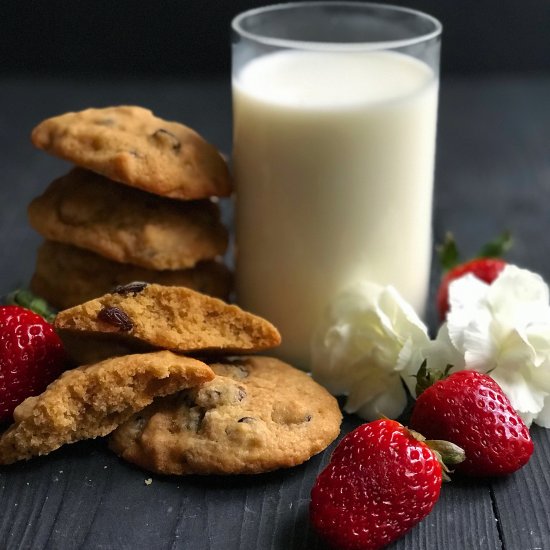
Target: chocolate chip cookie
x,y
66,276
258,414
92,400
144,317
132,146
127,225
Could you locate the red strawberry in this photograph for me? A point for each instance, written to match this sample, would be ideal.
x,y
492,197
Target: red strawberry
x,y
487,266
31,356
471,410
381,481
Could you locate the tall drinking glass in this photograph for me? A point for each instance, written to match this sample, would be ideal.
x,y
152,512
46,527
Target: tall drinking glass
x,y
334,107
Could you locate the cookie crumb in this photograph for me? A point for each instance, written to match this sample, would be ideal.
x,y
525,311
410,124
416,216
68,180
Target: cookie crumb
x,y
148,481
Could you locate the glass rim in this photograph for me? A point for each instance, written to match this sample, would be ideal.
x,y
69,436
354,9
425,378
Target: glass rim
x,y
236,25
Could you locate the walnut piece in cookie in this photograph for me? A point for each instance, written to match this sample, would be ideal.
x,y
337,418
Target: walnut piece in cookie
x,y
274,416
131,145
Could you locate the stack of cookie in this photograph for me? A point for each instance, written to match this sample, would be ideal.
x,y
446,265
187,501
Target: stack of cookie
x,y
138,206
221,415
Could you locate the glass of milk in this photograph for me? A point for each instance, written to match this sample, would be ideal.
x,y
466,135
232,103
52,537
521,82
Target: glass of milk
x,y
334,113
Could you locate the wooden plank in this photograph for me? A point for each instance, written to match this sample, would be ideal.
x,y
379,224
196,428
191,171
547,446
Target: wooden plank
x,y
522,500
84,497
462,519
495,172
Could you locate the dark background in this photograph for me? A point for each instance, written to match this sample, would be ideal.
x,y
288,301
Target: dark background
x,y
184,38
493,173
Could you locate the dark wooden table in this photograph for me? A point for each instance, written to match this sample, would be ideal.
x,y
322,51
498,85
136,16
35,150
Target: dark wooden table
x,y
493,173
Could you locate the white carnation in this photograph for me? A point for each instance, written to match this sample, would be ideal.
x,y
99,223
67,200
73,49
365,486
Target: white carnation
x,y
369,342
502,329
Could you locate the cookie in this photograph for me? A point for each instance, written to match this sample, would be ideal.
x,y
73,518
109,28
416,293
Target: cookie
x,y
258,414
145,317
127,225
92,400
66,276
132,146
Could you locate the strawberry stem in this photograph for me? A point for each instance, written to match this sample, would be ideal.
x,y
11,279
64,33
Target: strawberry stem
x,y
25,298
426,377
450,454
447,453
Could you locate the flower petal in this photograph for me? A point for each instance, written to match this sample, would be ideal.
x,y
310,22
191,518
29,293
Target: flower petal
x,y
390,402
503,329
466,299
373,383
524,397
543,417
368,335
404,318
441,352
409,362
519,296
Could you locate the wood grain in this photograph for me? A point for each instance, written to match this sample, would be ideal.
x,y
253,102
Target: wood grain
x,y
493,173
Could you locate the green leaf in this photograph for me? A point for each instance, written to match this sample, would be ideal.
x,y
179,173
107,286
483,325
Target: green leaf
x,y
448,253
426,377
26,299
450,453
497,247
447,454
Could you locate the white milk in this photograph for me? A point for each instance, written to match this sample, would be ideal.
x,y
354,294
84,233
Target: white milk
x,y
334,160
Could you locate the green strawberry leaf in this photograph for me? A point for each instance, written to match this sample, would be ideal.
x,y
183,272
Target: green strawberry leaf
x,y
497,247
447,252
26,299
447,453
426,377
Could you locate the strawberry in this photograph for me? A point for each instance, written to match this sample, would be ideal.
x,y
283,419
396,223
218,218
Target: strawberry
x,y
31,356
486,266
471,410
382,479
27,299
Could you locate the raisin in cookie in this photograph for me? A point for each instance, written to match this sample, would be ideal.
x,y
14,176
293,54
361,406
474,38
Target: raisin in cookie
x,y
93,400
127,225
66,276
144,317
258,414
132,146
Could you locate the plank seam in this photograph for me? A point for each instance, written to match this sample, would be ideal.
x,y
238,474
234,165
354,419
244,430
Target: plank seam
x,y
496,513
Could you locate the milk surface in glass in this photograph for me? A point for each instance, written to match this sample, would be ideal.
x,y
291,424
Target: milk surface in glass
x,y
333,160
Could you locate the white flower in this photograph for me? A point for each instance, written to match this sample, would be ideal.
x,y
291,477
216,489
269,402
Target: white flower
x,y
369,342
502,329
